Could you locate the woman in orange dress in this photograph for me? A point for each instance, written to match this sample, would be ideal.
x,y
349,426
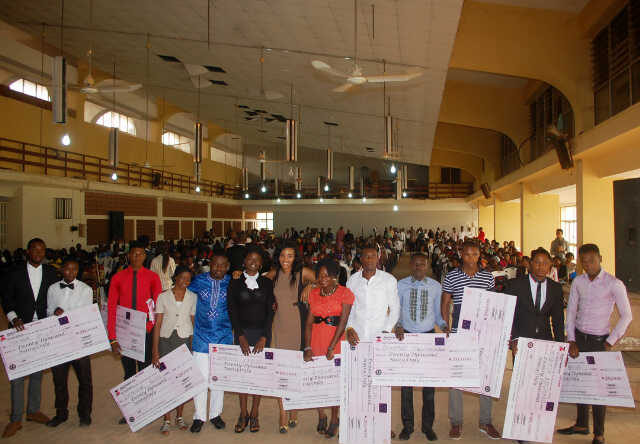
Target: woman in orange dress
x,y
329,308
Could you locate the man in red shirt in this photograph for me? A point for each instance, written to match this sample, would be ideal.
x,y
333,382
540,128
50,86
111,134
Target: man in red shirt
x,y
138,288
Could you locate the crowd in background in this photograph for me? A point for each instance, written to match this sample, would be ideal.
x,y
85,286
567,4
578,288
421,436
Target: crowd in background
x,y
442,247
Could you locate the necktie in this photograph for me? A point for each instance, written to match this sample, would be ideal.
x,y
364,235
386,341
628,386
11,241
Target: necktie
x,y
538,296
63,286
134,290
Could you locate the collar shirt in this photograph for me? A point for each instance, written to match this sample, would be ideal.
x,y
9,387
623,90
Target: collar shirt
x,y
455,282
35,279
176,316
420,304
591,304
66,298
376,307
534,289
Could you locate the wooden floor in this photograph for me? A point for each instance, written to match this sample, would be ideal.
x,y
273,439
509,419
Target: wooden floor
x,y
623,425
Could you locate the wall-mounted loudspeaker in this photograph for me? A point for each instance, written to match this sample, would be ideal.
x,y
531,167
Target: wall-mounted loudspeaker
x,y
486,190
156,179
116,225
559,141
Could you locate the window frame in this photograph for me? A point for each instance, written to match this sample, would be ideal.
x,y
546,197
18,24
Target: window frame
x,y
264,220
130,124
569,228
37,87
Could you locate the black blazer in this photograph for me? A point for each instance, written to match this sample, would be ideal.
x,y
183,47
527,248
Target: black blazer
x,y
251,309
529,323
18,295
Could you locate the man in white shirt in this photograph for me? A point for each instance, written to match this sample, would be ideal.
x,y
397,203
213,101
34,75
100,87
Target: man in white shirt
x,y
376,307
63,296
24,300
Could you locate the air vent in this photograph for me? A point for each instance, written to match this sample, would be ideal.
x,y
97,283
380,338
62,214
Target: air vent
x,y
260,111
281,137
168,58
368,149
251,113
243,106
268,119
219,82
215,69
331,123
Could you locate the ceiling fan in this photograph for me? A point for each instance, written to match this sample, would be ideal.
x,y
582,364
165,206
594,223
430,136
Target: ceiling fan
x,y
107,86
356,77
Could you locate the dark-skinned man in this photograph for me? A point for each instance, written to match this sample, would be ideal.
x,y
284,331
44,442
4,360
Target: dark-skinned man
x,y
591,300
25,300
138,288
376,308
63,296
539,303
420,298
468,275
212,326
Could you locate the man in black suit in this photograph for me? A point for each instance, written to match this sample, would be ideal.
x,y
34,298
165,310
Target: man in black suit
x,y
539,299
24,301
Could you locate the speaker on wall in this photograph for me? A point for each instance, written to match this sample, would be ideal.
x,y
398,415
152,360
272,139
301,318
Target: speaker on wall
x,y
116,225
559,141
486,190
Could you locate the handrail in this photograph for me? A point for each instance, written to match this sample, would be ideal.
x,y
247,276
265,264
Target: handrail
x,y
23,156
28,157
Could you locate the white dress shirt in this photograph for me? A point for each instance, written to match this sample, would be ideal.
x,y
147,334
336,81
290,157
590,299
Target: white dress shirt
x,y
176,315
68,299
376,307
534,289
35,278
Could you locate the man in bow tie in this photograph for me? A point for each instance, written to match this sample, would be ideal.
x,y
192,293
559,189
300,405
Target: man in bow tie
x,y
63,296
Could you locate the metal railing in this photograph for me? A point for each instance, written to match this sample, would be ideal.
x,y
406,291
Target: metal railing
x,y
37,159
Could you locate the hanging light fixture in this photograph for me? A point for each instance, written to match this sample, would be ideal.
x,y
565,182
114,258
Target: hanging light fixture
x,y
352,178
276,188
299,179
291,134
399,185
319,186
329,164
362,190
393,169
405,176
198,142
59,79
245,179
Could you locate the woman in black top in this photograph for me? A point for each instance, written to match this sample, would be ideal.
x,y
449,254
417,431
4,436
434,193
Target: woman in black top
x,y
250,302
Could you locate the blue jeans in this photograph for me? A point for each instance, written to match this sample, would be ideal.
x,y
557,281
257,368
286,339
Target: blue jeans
x,y
33,396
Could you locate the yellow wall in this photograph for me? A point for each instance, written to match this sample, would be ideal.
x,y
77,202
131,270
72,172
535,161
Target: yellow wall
x,y
486,220
540,217
21,121
507,222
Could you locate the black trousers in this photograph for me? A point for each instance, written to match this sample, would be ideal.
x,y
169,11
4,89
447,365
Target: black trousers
x,y
428,406
591,343
131,366
82,368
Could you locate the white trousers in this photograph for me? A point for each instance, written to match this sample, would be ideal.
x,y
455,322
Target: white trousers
x,y
200,401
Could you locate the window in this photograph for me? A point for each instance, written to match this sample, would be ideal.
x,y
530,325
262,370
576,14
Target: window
x,y
264,221
112,119
510,156
175,140
63,208
450,175
550,107
221,156
31,89
615,55
569,225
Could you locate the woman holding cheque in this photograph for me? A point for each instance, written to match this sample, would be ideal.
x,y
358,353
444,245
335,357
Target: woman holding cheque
x,y
329,308
250,304
175,310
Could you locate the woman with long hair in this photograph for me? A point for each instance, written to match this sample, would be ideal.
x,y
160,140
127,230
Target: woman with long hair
x,y
329,308
250,305
291,285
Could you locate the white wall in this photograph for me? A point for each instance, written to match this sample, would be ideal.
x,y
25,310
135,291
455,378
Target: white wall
x,y
378,213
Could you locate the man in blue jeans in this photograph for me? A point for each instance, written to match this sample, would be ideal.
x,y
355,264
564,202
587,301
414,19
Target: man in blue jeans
x,y
420,298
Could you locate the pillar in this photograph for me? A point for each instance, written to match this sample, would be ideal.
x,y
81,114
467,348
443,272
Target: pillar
x,y
159,223
507,221
486,220
594,206
539,218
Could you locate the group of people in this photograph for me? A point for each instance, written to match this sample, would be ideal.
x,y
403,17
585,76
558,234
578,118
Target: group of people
x,y
306,291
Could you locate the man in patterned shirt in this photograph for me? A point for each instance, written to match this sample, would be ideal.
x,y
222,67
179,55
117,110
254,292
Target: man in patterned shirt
x,y
212,326
419,313
469,275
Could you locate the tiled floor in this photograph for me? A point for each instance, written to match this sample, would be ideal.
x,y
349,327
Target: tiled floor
x,y
623,425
